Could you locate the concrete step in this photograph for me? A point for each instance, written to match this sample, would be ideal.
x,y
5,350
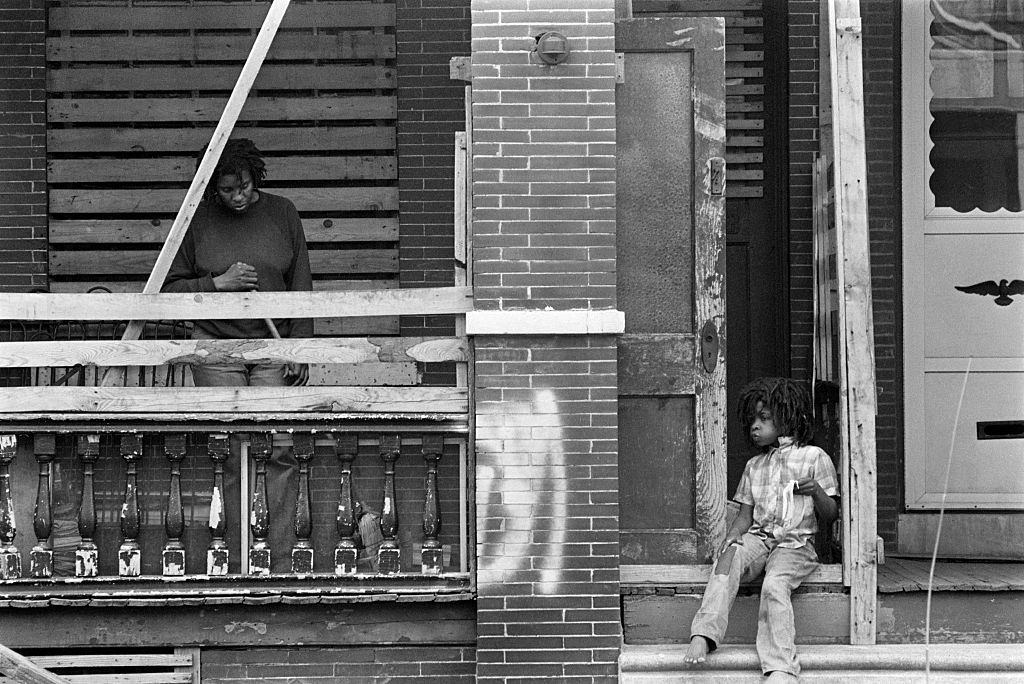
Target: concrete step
x,y
904,663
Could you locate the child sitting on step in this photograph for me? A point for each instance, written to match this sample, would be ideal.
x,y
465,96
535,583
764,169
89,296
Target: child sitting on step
x,y
784,493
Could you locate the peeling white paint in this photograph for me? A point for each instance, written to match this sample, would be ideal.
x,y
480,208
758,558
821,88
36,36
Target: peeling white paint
x,y
685,39
215,508
258,627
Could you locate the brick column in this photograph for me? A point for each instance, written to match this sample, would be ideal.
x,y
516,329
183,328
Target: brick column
x,y
546,398
22,145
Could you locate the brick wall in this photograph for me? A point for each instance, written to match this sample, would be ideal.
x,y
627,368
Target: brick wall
x,y
431,108
803,146
880,21
22,145
547,478
441,664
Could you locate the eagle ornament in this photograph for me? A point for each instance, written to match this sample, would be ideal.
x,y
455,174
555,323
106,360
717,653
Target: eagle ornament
x,y
1001,290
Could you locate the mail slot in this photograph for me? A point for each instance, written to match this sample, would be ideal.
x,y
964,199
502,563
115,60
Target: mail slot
x,y
1001,429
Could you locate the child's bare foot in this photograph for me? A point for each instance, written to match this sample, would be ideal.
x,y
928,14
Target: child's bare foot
x,y
698,650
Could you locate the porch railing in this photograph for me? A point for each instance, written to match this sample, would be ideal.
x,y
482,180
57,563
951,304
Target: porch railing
x,y
134,434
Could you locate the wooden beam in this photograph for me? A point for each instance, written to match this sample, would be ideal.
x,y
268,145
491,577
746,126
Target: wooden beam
x,y
203,352
189,306
160,200
107,262
236,400
857,377
668,575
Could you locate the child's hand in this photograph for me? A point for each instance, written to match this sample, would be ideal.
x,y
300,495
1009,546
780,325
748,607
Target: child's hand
x,y
729,541
806,486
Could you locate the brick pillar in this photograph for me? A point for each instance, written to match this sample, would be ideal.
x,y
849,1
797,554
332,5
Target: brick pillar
x,y
546,398
22,145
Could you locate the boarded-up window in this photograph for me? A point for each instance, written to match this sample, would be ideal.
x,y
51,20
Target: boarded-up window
x,y
135,89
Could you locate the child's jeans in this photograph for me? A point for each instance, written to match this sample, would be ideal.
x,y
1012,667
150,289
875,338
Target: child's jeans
x,y
784,570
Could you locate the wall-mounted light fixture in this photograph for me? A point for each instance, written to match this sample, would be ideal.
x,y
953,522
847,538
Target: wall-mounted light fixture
x,y
552,48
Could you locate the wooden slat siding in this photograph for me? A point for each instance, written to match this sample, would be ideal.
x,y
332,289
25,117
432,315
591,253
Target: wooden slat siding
x,y
323,285
744,57
272,77
181,169
208,109
218,48
116,201
220,14
151,140
141,231
135,88
140,263
54,400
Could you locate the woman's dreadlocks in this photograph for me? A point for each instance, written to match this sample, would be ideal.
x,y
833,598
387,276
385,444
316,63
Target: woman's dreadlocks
x,y
240,154
788,400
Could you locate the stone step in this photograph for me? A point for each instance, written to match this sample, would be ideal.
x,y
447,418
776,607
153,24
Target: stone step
x,y
837,663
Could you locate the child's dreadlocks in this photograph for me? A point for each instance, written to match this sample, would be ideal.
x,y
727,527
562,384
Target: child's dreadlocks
x,y
240,154
788,400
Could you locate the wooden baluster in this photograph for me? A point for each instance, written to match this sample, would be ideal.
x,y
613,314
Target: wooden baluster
x,y
218,447
346,554
302,552
41,560
389,560
260,447
87,560
432,561
10,557
173,556
129,555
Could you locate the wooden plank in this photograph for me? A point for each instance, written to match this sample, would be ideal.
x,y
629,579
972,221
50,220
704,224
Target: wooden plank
x,y
708,8
200,109
235,305
735,158
371,198
81,660
142,231
22,670
133,678
744,89
744,174
218,48
182,169
668,575
141,262
857,377
271,139
330,285
53,400
193,78
744,56
735,140
203,352
745,124
735,190
220,15
744,72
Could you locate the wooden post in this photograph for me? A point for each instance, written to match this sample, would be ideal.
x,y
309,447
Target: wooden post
x,y
250,70
432,560
129,554
217,553
173,556
346,554
856,368
41,560
20,669
87,561
389,559
10,557
259,513
302,552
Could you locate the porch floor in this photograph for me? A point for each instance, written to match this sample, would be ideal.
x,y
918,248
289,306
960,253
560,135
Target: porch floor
x,y
911,574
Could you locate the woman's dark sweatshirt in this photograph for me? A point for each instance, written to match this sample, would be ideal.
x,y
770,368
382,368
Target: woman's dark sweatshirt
x,y
267,236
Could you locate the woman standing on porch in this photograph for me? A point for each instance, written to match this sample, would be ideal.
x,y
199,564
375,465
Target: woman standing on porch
x,y
244,239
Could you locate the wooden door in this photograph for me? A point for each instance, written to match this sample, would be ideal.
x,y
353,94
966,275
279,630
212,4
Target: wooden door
x,y
670,112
